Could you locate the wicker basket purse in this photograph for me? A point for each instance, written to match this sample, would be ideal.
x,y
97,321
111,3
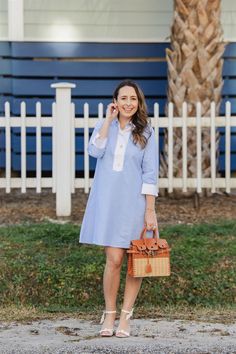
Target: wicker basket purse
x,y
149,257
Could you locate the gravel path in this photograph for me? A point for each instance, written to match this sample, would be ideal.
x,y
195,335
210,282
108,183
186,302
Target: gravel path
x,y
67,336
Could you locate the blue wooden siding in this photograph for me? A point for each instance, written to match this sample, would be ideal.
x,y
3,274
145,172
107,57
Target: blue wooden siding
x,y
27,69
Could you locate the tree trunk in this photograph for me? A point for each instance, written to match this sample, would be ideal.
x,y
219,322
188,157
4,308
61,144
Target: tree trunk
x,y
194,75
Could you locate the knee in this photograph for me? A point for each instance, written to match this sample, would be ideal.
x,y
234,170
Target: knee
x,y
114,262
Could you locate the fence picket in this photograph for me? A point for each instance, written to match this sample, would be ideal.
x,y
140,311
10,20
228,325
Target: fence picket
x,y
157,131
23,147
213,148
227,146
8,147
86,139
184,147
38,148
170,147
100,111
199,148
72,148
54,171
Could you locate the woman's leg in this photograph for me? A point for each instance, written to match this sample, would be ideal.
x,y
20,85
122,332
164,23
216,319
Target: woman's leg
x,y
132,287
111,281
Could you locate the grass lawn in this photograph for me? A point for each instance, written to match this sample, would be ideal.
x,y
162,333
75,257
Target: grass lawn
x,y
45,271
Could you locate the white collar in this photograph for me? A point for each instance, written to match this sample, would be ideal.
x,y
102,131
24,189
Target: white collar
x,y
129,126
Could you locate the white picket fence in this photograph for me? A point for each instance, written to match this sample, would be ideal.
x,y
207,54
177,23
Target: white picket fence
x,y
63,124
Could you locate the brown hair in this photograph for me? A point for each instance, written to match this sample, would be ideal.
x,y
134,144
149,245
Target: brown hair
x,y
140,118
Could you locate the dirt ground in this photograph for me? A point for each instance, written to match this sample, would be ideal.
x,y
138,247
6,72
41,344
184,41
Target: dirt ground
x,y
77,336
32,207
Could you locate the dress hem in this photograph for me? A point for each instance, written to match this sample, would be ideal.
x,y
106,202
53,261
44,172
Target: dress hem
x,y
104,245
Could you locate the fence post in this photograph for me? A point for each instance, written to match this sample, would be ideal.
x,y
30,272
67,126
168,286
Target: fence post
x,y
63,141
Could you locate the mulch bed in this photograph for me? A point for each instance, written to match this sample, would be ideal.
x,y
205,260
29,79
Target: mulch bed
x,y
32,207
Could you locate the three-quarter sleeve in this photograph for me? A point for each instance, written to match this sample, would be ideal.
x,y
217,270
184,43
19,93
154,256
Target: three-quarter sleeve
x,y
150,166
97,145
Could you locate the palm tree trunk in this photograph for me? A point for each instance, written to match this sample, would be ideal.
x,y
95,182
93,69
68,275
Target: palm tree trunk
x,y
194,75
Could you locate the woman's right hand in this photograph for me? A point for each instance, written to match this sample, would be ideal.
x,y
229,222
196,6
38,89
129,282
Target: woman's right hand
x,y
111,112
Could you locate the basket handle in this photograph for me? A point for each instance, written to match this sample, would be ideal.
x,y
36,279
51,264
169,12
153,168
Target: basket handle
x,y
144,231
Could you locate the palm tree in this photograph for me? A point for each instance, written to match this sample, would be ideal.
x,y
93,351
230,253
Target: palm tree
x,y
194,75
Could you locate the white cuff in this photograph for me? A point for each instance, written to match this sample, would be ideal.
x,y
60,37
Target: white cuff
x,y
148,188
100,143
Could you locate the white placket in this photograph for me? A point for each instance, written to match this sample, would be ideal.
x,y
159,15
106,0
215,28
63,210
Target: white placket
x,y
121,145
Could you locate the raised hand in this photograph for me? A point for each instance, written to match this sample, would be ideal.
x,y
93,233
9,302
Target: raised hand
x,y
112,111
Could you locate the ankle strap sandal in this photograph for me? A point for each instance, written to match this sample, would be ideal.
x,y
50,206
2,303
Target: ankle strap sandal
x,y
121,333
106,332
104,315
129,313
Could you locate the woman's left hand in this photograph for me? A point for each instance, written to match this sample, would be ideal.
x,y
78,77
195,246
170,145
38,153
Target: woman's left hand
x,y
150,219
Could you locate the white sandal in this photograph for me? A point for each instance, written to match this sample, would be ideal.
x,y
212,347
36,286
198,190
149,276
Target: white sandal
x,y
121,333
106,332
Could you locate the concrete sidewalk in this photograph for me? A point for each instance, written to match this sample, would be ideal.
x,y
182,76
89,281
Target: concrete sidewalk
x,y
67,336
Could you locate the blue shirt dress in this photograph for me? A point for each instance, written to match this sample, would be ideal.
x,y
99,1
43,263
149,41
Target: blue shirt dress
x,y
115,209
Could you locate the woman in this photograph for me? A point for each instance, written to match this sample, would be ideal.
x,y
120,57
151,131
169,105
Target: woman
x,y
122,198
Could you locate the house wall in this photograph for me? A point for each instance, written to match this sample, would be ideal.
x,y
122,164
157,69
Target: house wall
x,y
3,20
104,20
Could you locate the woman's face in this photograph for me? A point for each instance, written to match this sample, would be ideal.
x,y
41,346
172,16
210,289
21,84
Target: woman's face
x,y
127,102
